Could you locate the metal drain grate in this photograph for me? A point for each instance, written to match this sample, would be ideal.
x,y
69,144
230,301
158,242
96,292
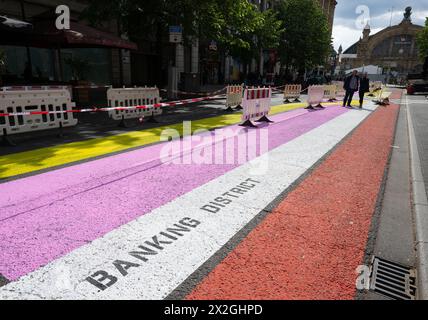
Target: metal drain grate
x,y
393,280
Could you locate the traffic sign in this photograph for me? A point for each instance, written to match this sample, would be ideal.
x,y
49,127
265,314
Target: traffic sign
x,y
175,34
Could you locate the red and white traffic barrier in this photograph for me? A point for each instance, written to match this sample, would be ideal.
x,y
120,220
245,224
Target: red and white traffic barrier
x,y
128,97
330,92
234,96
34,109
256,105
292,91
315,97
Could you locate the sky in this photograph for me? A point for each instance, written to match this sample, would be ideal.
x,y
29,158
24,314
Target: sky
x,y
352,15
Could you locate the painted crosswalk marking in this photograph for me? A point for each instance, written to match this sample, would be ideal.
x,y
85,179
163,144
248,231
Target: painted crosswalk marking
x,y
107,259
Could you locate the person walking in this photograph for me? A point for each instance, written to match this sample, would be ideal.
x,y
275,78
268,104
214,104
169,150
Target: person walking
x,y
352,83
364,88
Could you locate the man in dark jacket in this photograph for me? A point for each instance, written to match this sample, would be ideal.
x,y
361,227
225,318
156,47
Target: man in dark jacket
x,y
352,83
364,87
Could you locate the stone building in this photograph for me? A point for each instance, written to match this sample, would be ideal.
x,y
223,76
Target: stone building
x,y
329,8
394,49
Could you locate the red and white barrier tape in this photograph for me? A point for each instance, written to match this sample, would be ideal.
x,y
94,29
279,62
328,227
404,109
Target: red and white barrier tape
x,y
197,93
143,107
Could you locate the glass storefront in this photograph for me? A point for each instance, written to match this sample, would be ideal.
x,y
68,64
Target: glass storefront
x,y
17,67
96,61
97,64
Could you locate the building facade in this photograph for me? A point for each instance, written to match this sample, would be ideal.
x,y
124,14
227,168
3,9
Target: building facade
x,y
268,65
329,9
37,63
394,49
146,65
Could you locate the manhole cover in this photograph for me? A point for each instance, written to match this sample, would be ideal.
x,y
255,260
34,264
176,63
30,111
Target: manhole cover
x,y
393,280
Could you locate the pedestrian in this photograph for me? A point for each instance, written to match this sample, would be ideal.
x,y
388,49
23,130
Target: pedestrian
x,y
352,83
364,88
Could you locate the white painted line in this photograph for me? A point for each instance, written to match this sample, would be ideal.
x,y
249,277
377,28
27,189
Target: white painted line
x,y
149,257
420,205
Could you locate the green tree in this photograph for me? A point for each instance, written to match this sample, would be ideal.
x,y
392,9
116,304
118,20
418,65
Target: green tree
x,y
422,41
236,25
306,40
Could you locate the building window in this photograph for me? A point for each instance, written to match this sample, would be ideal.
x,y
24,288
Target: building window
x,y
98,61
382,49
18,70
402,46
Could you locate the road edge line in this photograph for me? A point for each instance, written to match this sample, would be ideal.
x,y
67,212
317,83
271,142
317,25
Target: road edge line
x,y
420,210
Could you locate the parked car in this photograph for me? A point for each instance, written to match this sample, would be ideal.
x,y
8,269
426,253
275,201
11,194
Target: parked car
x,y
417,86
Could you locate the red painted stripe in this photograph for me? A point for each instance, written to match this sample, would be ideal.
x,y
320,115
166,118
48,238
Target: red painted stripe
x,y
311,245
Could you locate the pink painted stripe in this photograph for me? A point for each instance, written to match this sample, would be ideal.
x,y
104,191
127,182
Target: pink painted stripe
x,y
46,216
19,195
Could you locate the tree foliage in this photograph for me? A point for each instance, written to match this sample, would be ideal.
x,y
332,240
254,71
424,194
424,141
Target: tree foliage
x,y
298,28
236,25
422,41
306,40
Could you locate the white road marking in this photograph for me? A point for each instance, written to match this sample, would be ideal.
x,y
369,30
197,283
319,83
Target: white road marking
x,y
167,268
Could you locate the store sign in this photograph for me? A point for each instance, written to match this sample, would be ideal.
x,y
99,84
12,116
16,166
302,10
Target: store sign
x,y
175,34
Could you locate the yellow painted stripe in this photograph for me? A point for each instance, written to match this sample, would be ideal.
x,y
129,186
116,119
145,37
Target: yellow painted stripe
x,y
50,157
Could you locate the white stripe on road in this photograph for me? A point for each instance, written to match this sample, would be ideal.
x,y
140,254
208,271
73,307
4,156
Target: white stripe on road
x,y
149,257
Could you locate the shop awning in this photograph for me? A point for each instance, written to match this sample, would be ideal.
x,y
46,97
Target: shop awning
x,y
78,36
44,34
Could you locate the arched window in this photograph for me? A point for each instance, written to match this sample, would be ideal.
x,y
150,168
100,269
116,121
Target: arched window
x,y
396,46
402,46
382,49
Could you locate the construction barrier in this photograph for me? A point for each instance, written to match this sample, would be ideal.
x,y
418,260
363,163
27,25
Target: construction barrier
x,y
27,109
127,98
256,105
340,90
315,97
375,87
24,109
234,96
292,91
381,97
330,92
